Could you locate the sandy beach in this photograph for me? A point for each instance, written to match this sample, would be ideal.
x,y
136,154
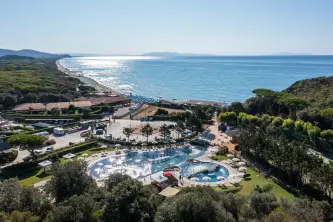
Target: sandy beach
x,y
86,80
101,88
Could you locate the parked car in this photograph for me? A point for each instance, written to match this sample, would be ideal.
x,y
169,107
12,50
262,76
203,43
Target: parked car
x,y
49,148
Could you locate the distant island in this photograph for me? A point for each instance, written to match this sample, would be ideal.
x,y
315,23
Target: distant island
x,y
291,54
30,53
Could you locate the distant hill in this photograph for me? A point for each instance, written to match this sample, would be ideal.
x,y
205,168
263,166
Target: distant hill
x,y
318,91
173,54
291,54
16,57
31,53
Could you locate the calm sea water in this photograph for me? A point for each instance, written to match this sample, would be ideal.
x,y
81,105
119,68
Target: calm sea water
x,y
218,78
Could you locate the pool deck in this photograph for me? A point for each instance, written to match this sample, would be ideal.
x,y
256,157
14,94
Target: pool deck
x,y
184,182
148,179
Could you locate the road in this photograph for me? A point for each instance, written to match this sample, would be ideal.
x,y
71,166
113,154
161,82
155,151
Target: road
x,y
116,129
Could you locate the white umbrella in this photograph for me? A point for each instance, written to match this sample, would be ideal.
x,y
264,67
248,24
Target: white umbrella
x,y
80,158
230,155
173,141
241,164
206,178
221,178
85,154
144,144
194,179
117,145
228,161
242,169
235,159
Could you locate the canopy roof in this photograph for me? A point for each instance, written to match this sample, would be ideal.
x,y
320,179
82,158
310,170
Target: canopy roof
x,y
45,163
169,192
68,156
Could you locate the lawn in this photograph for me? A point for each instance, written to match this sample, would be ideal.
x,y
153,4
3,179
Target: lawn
x,y
36,175
220,157
33,176
246,186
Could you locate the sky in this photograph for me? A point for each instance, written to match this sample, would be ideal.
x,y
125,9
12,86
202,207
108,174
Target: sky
x,y
233,27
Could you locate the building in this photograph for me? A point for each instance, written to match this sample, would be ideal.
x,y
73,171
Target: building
x,y
81,103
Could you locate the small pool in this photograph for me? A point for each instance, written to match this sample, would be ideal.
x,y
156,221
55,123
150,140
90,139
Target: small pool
x,y
204,171
142,164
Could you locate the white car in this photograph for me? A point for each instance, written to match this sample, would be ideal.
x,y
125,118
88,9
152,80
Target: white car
x,y
49,148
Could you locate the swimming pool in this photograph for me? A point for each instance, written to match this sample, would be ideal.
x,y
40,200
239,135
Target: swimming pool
x,y
142,164
203,171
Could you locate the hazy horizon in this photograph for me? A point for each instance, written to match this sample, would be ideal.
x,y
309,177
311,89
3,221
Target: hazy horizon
x,y
263,27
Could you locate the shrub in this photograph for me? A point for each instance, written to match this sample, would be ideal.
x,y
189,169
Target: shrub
x,y
222,150
237,147
267,187
8,157
54,157
49,142
161,112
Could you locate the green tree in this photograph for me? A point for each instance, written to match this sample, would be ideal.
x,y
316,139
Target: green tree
x,y
129,200
71,108
69,179
191,207
114,179
128,132
228,118
263,203
327,113
54,111
164,131
237,107
147,131
327,134
76,208
27,142
10,195
17,216
194,122
10,101
293,103
180,127
266,98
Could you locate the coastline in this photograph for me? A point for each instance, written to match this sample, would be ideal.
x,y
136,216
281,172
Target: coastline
x,y
86,80
104,89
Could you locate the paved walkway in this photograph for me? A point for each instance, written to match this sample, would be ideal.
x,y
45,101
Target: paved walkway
x,y
221,138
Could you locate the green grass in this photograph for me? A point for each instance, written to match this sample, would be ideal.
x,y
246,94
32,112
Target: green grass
x,y
220,157
246,186
257,179
36,175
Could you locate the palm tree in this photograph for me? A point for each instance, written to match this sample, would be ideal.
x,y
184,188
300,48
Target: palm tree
x,y
180,127
127,132
147,130
164,131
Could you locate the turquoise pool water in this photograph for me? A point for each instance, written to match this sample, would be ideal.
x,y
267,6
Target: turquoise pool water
x,y
141,164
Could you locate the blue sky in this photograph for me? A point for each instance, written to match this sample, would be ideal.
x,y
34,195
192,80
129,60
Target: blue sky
x,y
247,27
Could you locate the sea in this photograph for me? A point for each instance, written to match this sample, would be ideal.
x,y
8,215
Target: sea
x,y
209,78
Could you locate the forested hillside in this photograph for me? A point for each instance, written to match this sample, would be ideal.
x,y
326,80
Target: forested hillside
x,y
36,80
318,91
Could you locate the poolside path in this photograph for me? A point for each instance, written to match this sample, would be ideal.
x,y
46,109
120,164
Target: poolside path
x,y
221,138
